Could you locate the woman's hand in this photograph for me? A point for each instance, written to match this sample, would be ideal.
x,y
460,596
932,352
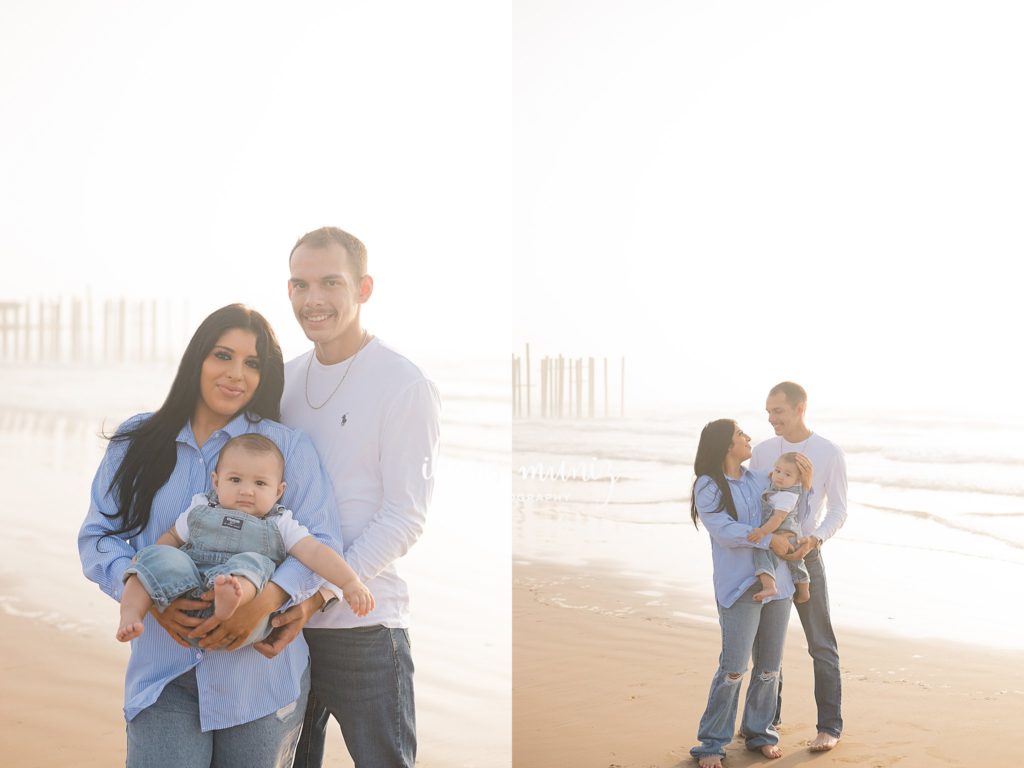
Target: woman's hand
x,y
288,625
806,470
233,632
780,544
175,622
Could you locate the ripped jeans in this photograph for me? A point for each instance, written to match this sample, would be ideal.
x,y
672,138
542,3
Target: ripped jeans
x,y
748,627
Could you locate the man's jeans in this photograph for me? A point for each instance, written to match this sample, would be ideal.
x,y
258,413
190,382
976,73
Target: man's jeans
x,y
167,734
748,626
821,644
362,676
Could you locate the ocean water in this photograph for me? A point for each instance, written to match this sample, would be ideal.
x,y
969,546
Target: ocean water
x,y
934,534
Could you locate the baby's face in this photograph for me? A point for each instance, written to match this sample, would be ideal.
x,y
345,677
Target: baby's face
x,y
248,483
785,475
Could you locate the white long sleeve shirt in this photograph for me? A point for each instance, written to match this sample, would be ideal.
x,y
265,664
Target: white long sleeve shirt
x,y
827,507
377,437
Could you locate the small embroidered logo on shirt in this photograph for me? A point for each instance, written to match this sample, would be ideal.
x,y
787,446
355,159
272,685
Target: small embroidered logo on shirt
x,y
232,522
344,419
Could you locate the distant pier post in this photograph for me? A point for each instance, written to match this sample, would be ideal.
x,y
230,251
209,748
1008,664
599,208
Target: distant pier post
x,y
590,383
623,391
528,381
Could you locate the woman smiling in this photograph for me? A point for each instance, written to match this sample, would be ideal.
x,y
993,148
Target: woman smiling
x,y
229,383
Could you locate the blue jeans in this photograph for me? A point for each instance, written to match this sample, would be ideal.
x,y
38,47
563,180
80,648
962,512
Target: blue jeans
x,y
766,561
362,676
748,627
168,573
821,644
167,734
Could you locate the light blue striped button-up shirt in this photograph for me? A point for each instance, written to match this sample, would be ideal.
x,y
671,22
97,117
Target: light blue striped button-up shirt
x,y
238,686
731,554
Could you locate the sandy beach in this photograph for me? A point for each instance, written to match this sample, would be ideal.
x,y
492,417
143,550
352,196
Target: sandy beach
x,y
603,677
62,685
615,629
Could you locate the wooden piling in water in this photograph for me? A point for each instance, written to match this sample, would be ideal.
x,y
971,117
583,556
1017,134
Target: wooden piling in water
x,y
122,330
571,366
623,390
527,381
591,383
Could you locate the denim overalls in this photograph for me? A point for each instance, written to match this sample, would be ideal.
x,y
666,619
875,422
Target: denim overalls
x,y
220,541
765,561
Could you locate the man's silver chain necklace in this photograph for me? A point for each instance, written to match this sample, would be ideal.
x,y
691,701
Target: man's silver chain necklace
x,y
782,446
310,363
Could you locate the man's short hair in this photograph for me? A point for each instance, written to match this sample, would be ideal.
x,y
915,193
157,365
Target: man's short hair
x,y
323,237
254,444
795,394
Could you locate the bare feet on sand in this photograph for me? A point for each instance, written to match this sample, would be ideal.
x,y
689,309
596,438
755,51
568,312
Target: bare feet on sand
x,y
764,593
803,593
227,593
771,750
823,742
710,762
131,627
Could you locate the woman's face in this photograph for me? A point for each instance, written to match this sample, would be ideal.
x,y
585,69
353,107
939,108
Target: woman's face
x,y
230,374
740,448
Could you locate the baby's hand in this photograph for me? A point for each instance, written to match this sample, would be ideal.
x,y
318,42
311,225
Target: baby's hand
x,y
358,597
755,536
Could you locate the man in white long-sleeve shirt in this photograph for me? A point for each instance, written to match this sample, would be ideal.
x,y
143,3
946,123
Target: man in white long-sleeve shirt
x,y
786,406
373,416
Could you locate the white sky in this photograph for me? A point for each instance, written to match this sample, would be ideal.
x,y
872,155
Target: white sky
x,y
171,150
713,187
699,186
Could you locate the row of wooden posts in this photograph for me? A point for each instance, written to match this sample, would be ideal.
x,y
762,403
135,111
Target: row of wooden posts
x,y
556,399
66,330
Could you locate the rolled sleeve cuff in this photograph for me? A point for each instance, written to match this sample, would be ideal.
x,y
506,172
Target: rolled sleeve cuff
x,y
117,570
297,592
330,592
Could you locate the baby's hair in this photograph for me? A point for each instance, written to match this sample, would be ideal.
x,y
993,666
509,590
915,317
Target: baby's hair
x,y
790,458
253,444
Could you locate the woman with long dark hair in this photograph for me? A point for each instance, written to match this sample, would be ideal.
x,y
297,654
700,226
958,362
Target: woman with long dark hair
x,y
726,498
186,706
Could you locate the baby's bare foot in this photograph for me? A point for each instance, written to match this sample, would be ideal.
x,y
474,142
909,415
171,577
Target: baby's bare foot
x,y
822,742
803,593
131,627
771,750
227,593
764,593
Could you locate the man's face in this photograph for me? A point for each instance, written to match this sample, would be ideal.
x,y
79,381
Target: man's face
x,y
781,415
324,292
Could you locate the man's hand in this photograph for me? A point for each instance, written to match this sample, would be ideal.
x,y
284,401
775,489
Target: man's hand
x,y
288,625
804,546
806,470
233,632
780,545
175,622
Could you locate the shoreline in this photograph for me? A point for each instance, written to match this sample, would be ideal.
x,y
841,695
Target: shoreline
x,y
606,675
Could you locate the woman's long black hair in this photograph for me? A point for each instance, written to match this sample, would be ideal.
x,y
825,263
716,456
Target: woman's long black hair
x,y
152,449
715,442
